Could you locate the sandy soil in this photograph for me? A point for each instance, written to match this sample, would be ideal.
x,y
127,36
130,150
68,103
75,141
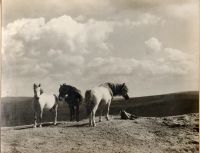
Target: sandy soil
x,y
177,134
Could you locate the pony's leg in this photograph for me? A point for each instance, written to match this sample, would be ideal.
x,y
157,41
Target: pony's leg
x,y
108,108
71,113
100,116
41,112
93,115
35,119
77,113
56,114
90,119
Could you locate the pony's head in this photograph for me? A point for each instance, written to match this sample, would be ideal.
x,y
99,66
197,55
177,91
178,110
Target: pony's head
x,y
37,90
124,91
63,90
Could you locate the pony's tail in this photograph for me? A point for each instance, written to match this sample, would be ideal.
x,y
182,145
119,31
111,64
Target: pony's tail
x,y
80,99
88,101
56,98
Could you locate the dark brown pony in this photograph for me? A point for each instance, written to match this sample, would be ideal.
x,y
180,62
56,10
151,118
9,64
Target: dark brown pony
x,y
74,99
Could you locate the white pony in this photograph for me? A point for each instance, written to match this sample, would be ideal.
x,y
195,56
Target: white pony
x,y
42,101
102,95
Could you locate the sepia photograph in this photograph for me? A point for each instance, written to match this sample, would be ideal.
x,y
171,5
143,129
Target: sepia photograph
x,y
109,76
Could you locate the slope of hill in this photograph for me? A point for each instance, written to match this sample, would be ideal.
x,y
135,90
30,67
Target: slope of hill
x,y
174,134
18,110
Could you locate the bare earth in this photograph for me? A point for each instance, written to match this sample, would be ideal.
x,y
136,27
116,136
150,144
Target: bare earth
x,y
177,134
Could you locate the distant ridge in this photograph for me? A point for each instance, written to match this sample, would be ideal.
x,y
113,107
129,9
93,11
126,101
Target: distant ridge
x,y
15,99
164,94
12,98
18,110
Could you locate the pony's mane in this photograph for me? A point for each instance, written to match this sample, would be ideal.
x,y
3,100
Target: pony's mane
x,y
115,87
72,89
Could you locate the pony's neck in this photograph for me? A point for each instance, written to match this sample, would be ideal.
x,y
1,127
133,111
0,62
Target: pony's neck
x,y
35,93
70,90
115,88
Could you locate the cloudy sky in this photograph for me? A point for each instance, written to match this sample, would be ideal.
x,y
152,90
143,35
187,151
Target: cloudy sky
x,y
152,45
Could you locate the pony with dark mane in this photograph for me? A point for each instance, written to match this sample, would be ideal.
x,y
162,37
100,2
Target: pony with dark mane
x,y
42,101
102,95
73,98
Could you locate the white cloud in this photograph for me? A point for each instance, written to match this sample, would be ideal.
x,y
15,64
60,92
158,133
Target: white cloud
x,y
154,44
162,62
63,39
184,10
176,55
59,33
70,60
26,29
80,49
144,19
170,60
113,65
148,19
77,36
53,52
34,52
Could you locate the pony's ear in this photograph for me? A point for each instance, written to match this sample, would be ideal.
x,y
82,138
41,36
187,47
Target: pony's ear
x,y
123,84
39,85
60,85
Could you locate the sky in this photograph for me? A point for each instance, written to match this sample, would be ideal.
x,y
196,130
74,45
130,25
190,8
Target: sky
x,y
152,46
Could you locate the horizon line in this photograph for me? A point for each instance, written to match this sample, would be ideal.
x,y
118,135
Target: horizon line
x,y
117,96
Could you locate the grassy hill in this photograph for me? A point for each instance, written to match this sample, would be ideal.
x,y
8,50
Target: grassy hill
x,y
18,110
173,134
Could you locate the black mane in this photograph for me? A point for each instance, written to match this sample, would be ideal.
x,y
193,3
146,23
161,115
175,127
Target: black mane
x,y
71,89
115,88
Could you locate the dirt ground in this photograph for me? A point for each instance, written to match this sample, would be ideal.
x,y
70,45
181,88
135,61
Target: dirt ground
x,y
177,134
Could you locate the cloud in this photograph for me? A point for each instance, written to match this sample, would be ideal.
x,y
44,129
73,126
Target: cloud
x,y
184,10
143,68
162,62
154,44
62,41
93,43
113,65
53,52
58,33
168,60
176,55
70,60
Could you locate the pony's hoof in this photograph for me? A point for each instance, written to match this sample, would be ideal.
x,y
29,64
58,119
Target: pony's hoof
x,y
34,126
40,126
55,123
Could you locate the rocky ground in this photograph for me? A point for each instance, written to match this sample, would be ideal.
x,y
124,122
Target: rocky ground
x,y
175,134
